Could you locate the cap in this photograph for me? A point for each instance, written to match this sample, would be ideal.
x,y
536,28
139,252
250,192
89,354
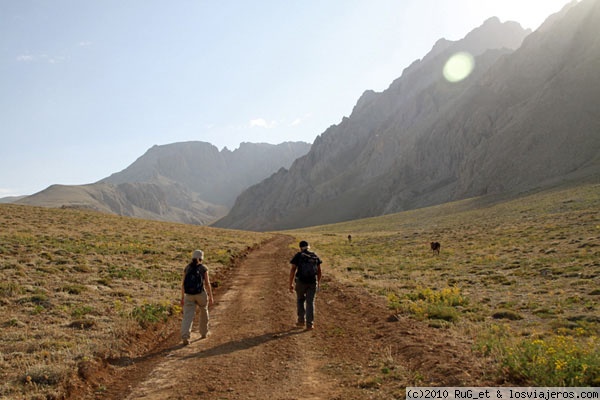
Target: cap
x,y
198,254
303,243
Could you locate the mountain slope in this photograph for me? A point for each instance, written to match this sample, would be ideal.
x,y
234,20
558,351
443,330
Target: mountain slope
x,y
522,119
216,176
533,119
190,182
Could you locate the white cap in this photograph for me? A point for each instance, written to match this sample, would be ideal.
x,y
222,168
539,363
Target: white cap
x,y
198,254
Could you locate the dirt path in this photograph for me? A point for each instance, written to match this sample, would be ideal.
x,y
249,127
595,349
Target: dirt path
x,y
357,351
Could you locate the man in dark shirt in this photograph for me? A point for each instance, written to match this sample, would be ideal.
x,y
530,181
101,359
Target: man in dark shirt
x,y
305,277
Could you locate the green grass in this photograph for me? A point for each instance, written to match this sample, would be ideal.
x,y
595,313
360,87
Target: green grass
x,y
531,264
148,314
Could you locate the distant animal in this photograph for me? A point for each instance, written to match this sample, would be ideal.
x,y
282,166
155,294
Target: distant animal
x,y
435,247
349,238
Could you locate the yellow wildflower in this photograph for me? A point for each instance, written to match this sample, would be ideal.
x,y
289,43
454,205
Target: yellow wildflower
x,y
560,365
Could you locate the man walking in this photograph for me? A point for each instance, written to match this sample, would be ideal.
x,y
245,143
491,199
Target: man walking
x,y
306,274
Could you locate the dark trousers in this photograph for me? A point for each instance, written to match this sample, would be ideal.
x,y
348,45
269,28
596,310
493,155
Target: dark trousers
x,y
305,295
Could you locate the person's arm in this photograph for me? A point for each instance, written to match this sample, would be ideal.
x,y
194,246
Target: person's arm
x,y
208,288
182,289
318,275
292,275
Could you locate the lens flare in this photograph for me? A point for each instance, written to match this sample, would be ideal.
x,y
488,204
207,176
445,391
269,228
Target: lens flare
x,y
458,67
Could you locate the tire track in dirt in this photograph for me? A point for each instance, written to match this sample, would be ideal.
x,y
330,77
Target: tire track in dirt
x,y
255,352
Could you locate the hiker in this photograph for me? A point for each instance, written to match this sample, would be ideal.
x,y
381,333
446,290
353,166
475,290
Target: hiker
x,y
306,274
195,292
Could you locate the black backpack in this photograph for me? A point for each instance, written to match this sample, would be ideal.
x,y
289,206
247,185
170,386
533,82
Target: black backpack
x,y
193,283
307,267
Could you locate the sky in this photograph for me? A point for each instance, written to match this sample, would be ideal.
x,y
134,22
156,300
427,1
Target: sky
x,y
87,87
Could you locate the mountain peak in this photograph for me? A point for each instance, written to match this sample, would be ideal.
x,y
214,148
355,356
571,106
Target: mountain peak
x,y
191,182
426,141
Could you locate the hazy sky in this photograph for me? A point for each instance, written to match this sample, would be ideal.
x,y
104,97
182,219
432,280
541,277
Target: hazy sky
x,y
86,87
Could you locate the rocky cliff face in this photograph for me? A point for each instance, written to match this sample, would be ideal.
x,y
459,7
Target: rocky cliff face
x,y
189,182
216,176
526,117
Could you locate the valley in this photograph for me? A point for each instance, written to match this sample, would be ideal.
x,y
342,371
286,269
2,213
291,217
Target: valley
x,y
89,302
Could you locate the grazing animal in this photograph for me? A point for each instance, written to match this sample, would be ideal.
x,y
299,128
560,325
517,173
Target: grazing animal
x,y
435,247
349,238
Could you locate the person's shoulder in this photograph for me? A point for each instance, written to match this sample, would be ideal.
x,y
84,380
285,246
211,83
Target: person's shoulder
x,y
311,255
296,256
315,255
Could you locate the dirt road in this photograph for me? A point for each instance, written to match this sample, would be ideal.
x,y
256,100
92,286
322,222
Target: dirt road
x,y
357,351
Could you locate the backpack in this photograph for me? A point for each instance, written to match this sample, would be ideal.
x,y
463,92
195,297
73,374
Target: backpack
x,y
193,283
307,267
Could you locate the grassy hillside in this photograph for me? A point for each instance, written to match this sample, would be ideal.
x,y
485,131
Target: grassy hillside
x,y
521,279
77,287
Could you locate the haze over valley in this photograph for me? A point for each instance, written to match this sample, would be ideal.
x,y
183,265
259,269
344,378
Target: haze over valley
x,y
522,115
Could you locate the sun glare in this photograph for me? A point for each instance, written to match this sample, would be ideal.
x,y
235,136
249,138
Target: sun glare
x,y
458,67
530,14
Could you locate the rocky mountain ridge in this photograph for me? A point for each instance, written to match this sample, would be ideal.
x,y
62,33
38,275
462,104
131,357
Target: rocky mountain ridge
x,y
527,116
189,182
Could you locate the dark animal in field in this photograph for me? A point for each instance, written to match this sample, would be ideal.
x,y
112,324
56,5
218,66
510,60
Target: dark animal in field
x,y
435,247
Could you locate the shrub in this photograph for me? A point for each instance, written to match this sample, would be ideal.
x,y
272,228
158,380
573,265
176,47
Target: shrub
x,y
14,322
431,304
556,361
151,313
73,289
393,301
39,300
449,296
81,311
506,314
9,289
444,313
44,375
82,324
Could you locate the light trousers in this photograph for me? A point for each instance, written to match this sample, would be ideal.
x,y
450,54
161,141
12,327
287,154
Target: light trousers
x,y
190,302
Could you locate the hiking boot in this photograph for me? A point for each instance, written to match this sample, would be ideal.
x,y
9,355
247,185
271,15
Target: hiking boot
x,y
186,342
310,327
300,324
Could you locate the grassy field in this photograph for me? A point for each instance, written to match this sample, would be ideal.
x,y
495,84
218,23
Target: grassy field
x,y
77,287
520,278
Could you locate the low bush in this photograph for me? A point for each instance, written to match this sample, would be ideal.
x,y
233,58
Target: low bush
x,y
147,314
555,361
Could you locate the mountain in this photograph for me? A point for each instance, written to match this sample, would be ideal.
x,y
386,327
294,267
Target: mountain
x,y
190,182
141,200
10,199
216,176
527,117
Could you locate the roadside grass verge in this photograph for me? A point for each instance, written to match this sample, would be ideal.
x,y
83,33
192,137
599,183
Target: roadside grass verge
x,y
78,287
514,278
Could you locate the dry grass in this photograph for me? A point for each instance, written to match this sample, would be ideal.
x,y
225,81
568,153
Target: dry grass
x,y
77,287
510,276
518,279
